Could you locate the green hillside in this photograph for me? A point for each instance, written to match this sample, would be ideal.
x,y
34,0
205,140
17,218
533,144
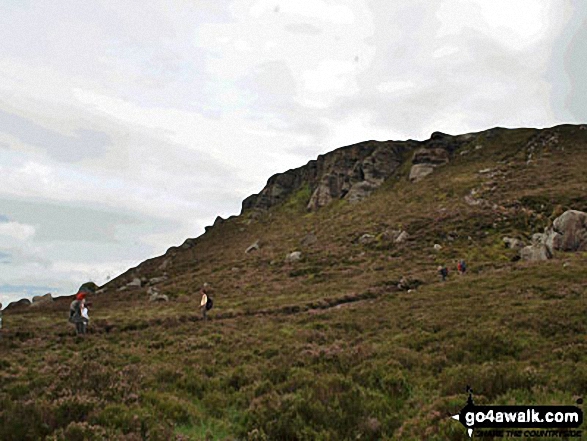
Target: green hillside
x,y
359,339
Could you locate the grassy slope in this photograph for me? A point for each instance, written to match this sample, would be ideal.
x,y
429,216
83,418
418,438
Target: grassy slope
x,y
328,347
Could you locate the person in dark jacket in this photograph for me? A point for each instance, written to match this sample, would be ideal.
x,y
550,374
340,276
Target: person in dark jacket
x,y
204,303
75,312
443,272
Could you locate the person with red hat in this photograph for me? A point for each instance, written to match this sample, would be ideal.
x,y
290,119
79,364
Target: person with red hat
x,y
75,312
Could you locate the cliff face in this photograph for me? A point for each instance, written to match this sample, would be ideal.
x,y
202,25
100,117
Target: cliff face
x,y
350,173
354,172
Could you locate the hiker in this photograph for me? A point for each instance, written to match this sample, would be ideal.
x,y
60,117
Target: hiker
x,y
206,303
443,271
75,312
461,266
85,316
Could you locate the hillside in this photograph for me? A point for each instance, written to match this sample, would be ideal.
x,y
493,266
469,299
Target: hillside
x,y
359,338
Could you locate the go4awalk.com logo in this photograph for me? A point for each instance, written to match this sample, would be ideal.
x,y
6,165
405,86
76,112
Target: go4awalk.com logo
x,y
520,421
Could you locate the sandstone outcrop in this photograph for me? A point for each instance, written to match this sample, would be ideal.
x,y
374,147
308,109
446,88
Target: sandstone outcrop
x,y
351,173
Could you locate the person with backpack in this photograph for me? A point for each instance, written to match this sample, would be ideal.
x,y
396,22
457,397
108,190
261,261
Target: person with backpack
x,y
462,267
443,271
206,303
75,312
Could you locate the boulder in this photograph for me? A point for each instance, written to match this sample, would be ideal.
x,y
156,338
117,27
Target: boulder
x,y
513,243
568,232
135,282
19,304
389,235
254,247
408,283
158,298
538,238
155,280
403,236
42,300
293,257
437,247
420,171
309,239
535,252
361,190
473,202
366,239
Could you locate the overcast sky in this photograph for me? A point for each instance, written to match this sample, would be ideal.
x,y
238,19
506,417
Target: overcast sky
x,y
126,127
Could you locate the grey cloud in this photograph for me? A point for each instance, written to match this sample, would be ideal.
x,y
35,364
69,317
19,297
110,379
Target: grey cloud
x,y
84,144
4,258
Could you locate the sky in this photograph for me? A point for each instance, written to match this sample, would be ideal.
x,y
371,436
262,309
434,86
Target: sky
x,y
127,127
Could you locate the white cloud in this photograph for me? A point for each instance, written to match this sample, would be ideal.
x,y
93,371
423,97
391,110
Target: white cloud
x,y
516,24
16,231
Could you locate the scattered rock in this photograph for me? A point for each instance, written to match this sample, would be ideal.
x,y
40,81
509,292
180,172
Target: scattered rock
x,y
437,247
484,171
535,252
538,238
158,298
366,239
293,257
420,171
478,147
408,283
135,282
122,288
473,202
235,269
403,236
513,243
309,239
155,280
253,247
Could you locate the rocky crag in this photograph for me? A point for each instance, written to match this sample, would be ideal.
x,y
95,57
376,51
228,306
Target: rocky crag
x,y
353,172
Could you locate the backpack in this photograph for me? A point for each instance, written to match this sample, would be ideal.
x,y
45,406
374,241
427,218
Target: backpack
x,y
72,309
209,303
